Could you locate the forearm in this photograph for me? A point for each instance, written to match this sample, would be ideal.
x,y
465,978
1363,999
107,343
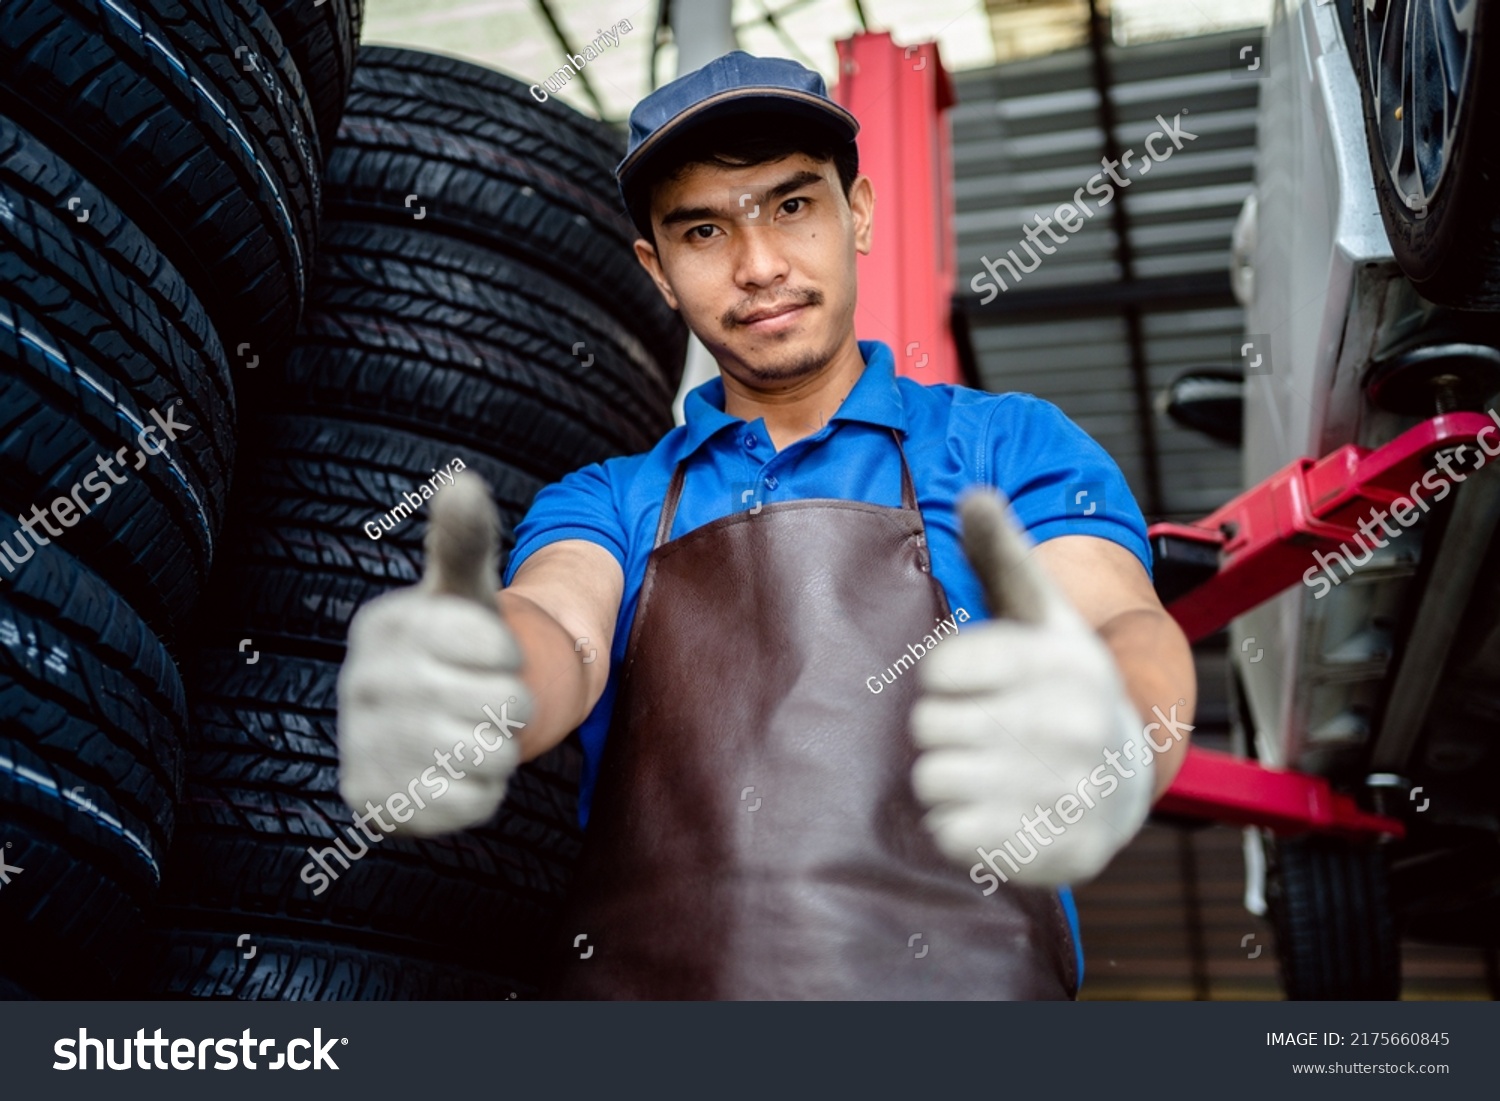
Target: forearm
x,y
565,682
1156,664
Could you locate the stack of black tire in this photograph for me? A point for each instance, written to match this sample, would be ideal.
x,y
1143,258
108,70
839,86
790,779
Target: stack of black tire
x,y
476,298
160,168
167,655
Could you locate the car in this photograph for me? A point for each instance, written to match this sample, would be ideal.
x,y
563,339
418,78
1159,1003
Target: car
x,y
1366,388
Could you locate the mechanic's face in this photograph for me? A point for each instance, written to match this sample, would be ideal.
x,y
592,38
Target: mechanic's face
x,y
761,262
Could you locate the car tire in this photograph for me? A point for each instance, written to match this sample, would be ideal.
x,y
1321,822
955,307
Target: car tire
x,y
468,152
423,333
1449,246
192,118
97,330
303,560
1336,932
198,963
262,796
92,712
323,39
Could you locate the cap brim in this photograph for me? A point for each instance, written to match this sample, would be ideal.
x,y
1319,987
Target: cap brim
x,y
735,102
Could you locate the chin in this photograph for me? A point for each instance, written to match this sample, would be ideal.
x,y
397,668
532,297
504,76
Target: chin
x,y
785,364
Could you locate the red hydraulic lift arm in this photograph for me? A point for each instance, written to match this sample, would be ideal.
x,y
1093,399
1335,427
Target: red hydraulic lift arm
x,y
1230,789
1265,540
1267,536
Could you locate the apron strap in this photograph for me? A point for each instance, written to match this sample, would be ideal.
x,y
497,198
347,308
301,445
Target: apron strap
x,y
669,506
908,488
679,476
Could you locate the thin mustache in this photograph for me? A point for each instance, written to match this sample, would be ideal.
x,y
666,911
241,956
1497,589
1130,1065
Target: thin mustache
x,y
806,298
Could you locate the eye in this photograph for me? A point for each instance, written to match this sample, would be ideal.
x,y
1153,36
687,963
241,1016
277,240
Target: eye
x,y
795,205
701,233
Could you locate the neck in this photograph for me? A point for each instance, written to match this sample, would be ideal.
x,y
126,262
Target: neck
x,y
804,407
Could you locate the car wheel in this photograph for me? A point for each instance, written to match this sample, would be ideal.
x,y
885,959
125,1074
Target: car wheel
x,y
1430,80
1335,931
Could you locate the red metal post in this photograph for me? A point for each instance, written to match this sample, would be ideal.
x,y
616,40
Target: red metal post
x,y
899,94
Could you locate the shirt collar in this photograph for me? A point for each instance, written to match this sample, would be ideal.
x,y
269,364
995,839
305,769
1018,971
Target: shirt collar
x,y
875,399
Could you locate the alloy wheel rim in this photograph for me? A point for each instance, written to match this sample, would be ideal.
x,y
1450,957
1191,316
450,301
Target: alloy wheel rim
x,y
1419,54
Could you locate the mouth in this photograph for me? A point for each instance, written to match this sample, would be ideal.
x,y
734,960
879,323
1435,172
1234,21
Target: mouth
x,y
774,319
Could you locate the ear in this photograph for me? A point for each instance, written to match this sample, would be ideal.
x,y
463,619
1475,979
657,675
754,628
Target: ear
x,y
646,253
862,207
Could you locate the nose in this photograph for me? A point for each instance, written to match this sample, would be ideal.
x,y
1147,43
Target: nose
x,y
759,262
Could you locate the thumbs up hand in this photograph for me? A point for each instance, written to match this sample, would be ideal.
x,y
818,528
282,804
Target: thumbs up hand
x,y
422,664
1019,721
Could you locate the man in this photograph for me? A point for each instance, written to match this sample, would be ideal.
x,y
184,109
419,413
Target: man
x,y
810,771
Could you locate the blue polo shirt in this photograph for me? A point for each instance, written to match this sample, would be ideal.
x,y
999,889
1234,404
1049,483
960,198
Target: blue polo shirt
x,y
1057,479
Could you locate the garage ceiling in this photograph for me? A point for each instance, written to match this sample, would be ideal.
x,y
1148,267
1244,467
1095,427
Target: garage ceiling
x,y
513,35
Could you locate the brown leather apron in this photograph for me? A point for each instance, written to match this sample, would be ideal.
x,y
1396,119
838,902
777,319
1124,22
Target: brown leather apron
x,y
754,833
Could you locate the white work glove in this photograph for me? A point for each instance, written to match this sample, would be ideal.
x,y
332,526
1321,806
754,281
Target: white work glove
x,y
422,665
1018,712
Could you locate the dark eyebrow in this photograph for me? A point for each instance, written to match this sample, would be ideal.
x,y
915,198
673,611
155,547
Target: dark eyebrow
x,y
794,182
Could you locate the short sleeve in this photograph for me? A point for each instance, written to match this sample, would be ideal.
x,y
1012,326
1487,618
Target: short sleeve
x,y
580,506
1058,479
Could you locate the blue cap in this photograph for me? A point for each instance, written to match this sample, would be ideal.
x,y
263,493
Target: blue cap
x,y
734,84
